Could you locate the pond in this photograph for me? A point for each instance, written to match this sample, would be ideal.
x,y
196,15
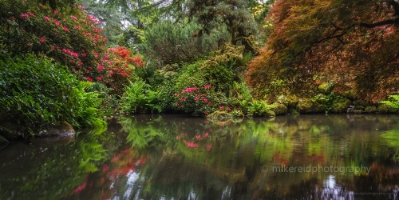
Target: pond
x,y
181,157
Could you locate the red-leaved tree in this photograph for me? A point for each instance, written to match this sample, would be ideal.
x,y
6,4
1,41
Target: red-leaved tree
x,y
351,43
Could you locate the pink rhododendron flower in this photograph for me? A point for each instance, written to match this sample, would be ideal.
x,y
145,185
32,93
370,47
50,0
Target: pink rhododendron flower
x,y
198,137
42,39
89,79
57,23
66,28
100,78
74,18
207,86
100,68
47,18
177,137
221,107
191,89
176,95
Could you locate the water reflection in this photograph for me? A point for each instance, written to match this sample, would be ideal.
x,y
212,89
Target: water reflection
x,y
175,157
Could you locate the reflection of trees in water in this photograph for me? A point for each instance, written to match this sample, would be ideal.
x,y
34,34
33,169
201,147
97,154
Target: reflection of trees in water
x,y
48,171
181,164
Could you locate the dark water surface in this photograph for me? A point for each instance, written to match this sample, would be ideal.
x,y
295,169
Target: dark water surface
x,y
177,157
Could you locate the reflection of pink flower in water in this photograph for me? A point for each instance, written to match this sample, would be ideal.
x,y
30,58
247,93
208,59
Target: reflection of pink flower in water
x,y
79,188
198,137
177,137
105,168
208,147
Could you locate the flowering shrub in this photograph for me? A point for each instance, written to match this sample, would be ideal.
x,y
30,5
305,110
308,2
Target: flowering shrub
x,y
72,38
200,100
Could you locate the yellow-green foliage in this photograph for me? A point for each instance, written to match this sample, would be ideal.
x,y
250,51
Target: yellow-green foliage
x,y
391,105
223,56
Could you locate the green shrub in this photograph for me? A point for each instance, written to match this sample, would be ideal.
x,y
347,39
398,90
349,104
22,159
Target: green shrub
x,y
35,92
209,85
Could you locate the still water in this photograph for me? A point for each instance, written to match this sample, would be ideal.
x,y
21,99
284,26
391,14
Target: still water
x,y
180,157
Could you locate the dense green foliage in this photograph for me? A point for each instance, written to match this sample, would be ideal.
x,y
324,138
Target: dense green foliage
x,y
36,93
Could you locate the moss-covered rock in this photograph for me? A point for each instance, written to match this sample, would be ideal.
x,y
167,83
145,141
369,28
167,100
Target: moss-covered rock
x,y
289,100
325,88
370,109
340,105
62,129
350,94
237,114
14,131
292,100
282,99
219,115
278,108
270,113
384,108
307,105
304,105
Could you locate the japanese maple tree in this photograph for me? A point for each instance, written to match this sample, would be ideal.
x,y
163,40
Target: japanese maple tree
x,y
351,43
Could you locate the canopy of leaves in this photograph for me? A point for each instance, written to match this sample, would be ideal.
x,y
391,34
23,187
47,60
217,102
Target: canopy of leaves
x,y
353,43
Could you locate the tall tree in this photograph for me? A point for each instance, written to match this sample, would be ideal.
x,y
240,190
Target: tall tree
x,y
231,13
352,43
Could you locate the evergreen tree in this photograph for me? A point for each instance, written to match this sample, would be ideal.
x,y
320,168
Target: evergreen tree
x,y
231,13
